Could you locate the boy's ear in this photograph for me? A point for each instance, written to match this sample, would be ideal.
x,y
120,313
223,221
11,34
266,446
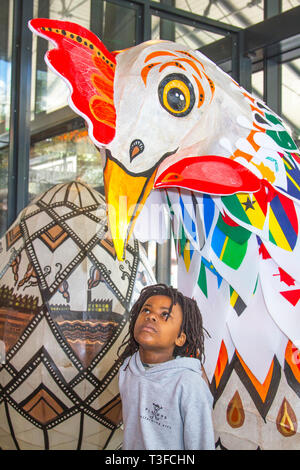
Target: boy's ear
x,y
181,339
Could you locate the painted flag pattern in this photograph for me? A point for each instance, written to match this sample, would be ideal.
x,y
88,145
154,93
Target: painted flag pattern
x,y
229,223
292,172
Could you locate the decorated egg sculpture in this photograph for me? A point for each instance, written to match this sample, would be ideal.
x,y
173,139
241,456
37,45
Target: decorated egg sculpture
x,y
64,303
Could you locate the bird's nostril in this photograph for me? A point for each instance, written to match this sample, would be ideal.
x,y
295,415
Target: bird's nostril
x,y
136,147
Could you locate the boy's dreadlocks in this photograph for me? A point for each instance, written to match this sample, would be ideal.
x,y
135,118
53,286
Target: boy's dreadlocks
x,y
191,323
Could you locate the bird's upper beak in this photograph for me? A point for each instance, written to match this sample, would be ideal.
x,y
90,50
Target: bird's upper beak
x,y
125,196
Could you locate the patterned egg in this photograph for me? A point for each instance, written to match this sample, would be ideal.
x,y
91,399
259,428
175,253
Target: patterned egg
x,y
64,306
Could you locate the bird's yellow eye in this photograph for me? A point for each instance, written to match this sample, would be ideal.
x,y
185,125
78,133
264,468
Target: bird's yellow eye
x,y
176,94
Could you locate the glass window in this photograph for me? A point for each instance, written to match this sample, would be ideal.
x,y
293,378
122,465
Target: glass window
x,y
241,13
290,104
119,26
49,92
65,157
258,84
60,147
5,78
189,36
288,4
174,265
114,24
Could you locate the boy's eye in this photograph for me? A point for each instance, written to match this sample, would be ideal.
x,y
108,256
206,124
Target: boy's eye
x,y
166,315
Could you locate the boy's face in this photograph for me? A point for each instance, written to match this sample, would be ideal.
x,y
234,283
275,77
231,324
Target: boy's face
x,y
157,331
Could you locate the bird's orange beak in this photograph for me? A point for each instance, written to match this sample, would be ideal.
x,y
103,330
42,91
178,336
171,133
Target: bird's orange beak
x,y
125,196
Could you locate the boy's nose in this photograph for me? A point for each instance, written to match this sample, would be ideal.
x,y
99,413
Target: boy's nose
x,y
152,316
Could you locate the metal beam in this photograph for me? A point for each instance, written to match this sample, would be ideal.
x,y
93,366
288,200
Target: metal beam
x,y
167,28
262,35
163,262
96,17
19,146
182,16
272,30
41,67
146,20
241,63
272,68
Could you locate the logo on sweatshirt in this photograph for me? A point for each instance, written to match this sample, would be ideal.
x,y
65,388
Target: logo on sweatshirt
x,y
155,412
156,415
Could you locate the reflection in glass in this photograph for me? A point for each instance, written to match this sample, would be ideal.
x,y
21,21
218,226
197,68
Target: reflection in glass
x,y
62,158
5,66
57,157
288,4
174,265
241,13
119,30
291,96
189,36
49,92
3,188
5,79
258,84
114,24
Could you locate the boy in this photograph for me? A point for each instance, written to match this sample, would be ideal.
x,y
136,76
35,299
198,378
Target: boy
x,y
166,403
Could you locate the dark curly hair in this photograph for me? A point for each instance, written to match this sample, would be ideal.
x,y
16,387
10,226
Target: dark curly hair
x,y
191,323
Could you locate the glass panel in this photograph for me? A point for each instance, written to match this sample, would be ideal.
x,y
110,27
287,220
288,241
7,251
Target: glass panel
x,y
174,265
49,92
258,84
5,64
62,158
288,4
3,188
5,78
291,96
119,31
241,13
57,154
189,36
115,25
151,253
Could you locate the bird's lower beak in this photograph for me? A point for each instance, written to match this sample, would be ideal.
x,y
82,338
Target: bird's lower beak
x,y
125,197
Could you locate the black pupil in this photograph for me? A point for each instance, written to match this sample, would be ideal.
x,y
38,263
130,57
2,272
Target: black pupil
x,y
176,99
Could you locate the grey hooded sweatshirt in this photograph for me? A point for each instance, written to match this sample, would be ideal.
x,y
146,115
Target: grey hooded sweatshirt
x,y
165,407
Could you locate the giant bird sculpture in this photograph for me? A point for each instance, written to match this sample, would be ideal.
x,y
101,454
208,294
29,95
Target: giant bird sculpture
x,y
176,131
